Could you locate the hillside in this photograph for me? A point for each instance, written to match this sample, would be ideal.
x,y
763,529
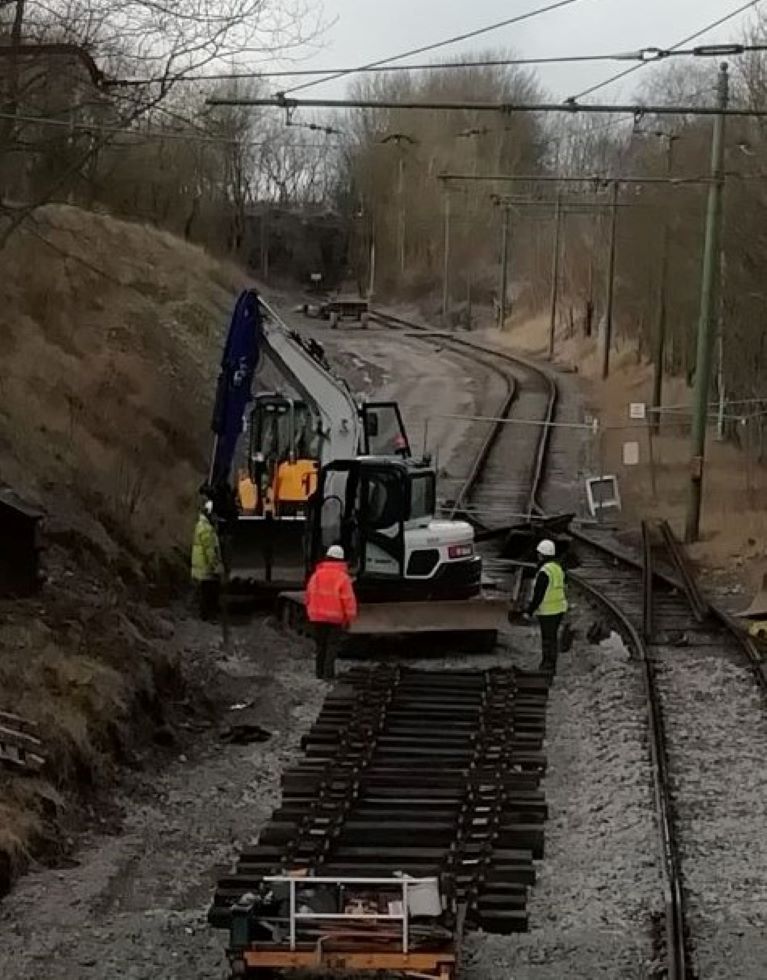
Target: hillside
x,y
108,339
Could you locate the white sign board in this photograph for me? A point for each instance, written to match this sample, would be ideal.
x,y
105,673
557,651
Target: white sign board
x,y
631,454
603,494
638,411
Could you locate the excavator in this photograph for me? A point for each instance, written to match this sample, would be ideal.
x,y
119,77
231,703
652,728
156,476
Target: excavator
x,y
316,467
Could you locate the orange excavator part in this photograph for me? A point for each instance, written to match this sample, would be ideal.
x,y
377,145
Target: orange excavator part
x,y
247,493
295,482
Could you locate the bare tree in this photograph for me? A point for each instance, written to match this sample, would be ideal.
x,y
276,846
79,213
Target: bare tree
x,y
393,161
52,135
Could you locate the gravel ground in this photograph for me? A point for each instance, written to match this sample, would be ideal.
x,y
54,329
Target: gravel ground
x,y
427,379
134,905
598,889
717,736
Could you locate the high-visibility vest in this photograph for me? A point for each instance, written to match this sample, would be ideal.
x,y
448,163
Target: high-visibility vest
x,y
206,551
330,595
555,600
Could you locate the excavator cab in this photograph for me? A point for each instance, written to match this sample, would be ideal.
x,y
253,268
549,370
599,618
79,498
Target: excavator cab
x,y
283,458
381,510
267,543
361,504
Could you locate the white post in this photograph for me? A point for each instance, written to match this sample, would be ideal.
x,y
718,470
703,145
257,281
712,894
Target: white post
x,y
292,886
405,930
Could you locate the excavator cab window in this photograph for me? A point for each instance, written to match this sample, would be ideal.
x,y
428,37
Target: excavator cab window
x,y
423,496
362,507
333,508
381,499
385,433
281,429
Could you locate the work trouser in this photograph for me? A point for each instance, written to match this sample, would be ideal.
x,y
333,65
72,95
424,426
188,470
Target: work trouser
x,y
208,597
326,636
550,641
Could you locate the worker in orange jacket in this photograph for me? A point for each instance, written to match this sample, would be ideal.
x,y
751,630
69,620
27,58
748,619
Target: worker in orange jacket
x,y
331,606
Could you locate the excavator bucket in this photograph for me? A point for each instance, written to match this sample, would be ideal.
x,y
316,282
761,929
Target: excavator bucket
x,y
483,614
264,553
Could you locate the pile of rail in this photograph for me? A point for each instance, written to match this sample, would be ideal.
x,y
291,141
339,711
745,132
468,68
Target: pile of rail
x,y
421,773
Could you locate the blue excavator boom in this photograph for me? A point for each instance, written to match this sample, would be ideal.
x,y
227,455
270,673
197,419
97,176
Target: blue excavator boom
x,y
234,391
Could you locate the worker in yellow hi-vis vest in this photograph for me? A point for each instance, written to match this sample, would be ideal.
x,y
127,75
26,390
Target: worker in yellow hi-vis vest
x,y
549,603
207,564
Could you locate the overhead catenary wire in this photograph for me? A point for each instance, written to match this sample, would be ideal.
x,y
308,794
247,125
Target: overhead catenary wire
x,y
423,49
636,109
679,44
598,179
383,69
94,129
646,55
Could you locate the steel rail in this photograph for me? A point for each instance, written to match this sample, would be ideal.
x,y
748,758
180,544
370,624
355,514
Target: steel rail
x,y
538,477
489,441
699,605
677,963
747,646
648,617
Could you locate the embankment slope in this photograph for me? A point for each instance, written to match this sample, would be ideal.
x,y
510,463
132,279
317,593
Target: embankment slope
x,y
109,334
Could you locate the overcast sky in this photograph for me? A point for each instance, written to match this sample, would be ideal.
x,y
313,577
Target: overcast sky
x,y
367,30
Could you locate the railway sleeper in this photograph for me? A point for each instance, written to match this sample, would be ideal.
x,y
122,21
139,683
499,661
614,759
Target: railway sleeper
x,y
378,794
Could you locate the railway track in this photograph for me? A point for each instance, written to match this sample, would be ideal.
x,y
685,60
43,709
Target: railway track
x,y
431,774
374,766
487,495
653,601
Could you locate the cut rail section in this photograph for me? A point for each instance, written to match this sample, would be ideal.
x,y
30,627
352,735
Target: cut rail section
x,y
676,959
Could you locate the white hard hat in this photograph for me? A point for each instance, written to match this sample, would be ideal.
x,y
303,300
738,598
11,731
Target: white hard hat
x,y
547,549
208,506
336,551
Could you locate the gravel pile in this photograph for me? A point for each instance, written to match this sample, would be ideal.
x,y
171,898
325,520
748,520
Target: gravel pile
x,y
598,889
717,739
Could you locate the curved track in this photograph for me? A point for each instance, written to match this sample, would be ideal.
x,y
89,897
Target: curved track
x,y
488,494
651,601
